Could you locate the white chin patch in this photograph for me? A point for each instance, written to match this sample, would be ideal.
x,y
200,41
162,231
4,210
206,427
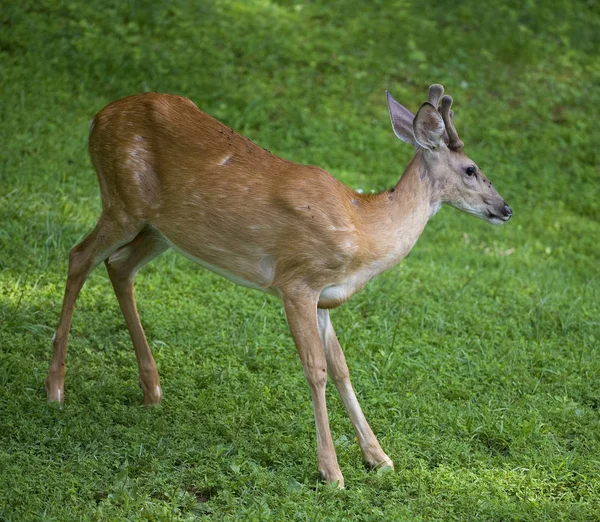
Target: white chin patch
x,y
496,221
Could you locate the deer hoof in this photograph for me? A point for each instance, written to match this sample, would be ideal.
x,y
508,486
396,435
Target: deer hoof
x,y
381,464
152,396
55,393
333,478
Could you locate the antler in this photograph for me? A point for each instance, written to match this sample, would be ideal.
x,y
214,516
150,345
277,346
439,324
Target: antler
x,y
435,93
454,142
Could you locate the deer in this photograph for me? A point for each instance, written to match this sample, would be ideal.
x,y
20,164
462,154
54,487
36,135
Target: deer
x,y
171,176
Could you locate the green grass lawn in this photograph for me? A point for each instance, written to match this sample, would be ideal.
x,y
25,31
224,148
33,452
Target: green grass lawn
x,y
476,360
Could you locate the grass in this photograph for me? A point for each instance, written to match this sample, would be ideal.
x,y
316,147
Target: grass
x,y
476,360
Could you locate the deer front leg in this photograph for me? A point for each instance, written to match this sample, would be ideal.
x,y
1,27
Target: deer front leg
x,y
373,455
301,312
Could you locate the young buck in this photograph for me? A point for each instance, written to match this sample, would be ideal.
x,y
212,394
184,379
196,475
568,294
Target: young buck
x,y
172,176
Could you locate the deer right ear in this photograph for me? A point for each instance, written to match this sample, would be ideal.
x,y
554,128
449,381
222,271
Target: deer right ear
x,y
428,127
402,120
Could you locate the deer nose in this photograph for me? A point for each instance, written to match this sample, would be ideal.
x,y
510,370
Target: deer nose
x,y
507,211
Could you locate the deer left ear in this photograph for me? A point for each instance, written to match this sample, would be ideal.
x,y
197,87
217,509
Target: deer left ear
x,y
428,127
402,120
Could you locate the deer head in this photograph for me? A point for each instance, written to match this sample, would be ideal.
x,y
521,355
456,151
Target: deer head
x,y
454,178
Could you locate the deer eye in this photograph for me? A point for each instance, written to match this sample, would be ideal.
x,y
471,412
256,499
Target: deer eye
x,y
470,171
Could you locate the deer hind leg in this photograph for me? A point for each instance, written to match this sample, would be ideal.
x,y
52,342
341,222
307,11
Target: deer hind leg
x,y
373,455
122,267
108,235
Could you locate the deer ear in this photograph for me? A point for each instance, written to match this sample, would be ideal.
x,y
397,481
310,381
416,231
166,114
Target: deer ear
x,y
428,127
402,120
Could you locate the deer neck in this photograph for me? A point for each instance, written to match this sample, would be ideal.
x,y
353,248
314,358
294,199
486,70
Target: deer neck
x,y
416,190
402,212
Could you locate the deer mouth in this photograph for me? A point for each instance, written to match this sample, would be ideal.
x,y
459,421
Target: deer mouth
x,y
496,220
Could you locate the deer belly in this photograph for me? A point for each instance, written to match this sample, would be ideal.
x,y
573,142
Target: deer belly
x,y
257,273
